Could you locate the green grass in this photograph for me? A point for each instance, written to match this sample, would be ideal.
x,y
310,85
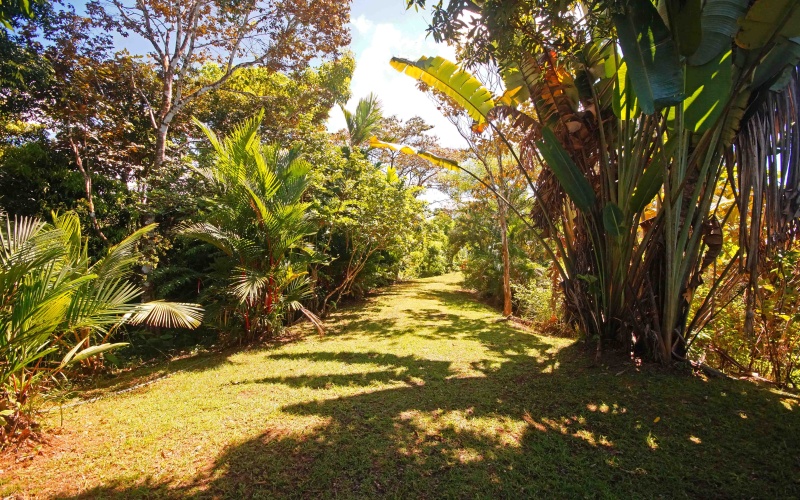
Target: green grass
x,y
420,393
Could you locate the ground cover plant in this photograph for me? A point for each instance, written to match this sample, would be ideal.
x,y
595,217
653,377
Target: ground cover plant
x,y
425,392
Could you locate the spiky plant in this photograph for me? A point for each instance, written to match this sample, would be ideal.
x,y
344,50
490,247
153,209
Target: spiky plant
x,y
259,220
363,123
58,308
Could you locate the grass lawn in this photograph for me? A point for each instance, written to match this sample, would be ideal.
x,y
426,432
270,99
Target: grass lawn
x,y
420,393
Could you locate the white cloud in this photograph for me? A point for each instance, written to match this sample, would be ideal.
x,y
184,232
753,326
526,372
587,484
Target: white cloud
x,y
362,25
398,92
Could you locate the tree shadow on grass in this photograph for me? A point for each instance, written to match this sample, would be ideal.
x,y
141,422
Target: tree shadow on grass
x,y
406,369
528,420
457,299
101,386
520,429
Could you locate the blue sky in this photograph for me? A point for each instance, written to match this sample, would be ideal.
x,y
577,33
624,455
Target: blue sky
x,y
382,29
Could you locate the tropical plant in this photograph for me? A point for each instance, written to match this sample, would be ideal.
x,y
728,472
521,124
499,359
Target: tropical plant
x,y
258,220
57,308
637,128
362,124
369,221
430,256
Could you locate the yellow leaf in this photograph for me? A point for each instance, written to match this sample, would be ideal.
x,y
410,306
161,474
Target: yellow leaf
x,y
656,420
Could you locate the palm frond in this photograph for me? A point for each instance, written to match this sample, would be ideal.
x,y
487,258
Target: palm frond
x,y
166,315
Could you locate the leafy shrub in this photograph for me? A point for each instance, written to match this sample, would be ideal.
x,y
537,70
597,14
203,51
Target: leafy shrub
x,y
258,221
57,308
430,255
533,299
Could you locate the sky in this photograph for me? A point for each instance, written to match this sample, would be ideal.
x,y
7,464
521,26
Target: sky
x,y
382,29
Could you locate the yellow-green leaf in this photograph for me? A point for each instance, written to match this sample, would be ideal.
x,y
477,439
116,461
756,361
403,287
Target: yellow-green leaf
x,y
409,150
766,18
450,79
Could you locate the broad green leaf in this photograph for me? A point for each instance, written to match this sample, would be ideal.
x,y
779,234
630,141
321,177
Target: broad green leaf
x,y
598,58
409,150
685,22
450,79
648,186
624,101
708,88
516,90
784,55
614,220
519,78
720,24
650,53
569,176
652,179
71,354
780,83
766,18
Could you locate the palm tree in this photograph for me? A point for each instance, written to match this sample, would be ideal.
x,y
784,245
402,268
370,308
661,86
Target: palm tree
x,y
55,302
259,221
363,124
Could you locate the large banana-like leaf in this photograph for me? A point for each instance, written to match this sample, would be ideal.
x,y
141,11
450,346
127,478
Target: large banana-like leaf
x,y
785,54
685,20
624,101
650,53
547,83
569,176
720,24
708,88
652,179
410,150
450,79
519,78
614,220
73,356
764,18
166,314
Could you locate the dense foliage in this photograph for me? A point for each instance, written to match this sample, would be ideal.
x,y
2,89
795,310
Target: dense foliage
x,y
60,308
252,210
630,168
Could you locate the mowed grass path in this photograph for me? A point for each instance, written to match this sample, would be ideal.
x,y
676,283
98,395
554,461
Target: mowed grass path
x,y
420,393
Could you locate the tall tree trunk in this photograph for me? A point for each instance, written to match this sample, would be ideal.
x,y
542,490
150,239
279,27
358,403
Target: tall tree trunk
x,y
161,147
87,183
507,305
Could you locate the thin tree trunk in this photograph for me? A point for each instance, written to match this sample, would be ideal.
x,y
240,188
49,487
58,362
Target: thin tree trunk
x,y
161,147
87,183
507,305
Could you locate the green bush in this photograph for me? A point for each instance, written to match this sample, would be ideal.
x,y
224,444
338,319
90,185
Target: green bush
x,y
58,308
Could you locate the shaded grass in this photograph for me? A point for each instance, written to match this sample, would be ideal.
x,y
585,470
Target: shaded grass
x,y
421,392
